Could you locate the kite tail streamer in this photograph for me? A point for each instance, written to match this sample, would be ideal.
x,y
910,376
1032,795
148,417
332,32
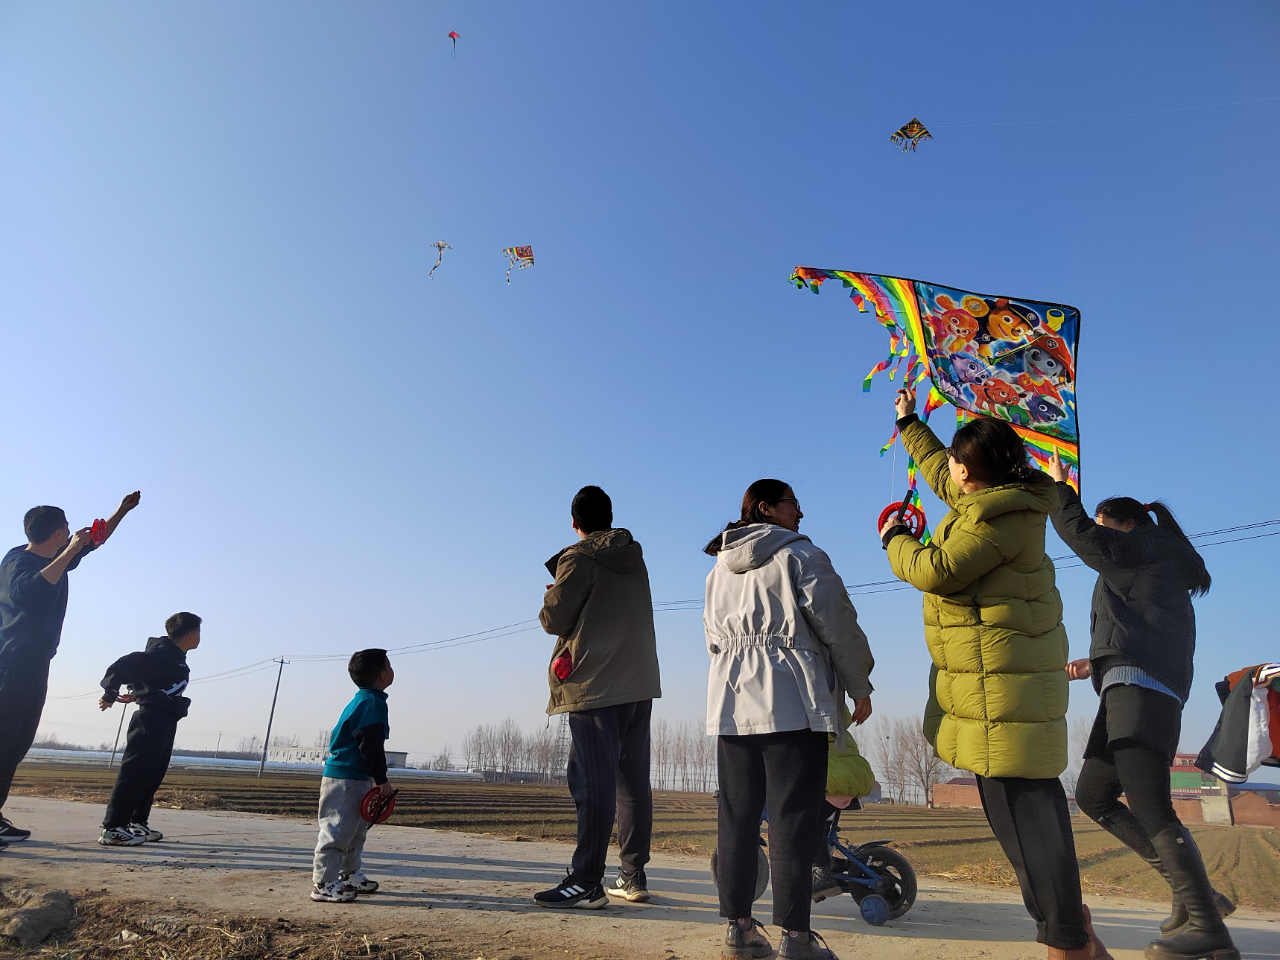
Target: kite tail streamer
x,y
913,494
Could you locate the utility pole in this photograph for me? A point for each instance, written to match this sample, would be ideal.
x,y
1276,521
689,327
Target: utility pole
x,y
218,747
124,711
267,743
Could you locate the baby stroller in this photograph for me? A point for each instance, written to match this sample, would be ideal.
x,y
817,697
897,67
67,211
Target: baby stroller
x,y
879,879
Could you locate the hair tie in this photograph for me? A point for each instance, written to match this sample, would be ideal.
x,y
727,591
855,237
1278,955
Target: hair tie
x,y
1146,507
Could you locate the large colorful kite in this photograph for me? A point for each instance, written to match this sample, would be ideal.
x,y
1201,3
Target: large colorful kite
x,y
988,356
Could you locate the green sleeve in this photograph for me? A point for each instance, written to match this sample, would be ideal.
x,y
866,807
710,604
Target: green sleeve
x,y
931,457
963,559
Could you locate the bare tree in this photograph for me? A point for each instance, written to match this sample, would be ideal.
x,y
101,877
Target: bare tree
x,y
510,742
322,739
489,738
542,752
659,753
704,748
1077,739
473,754
925,768
443,760
251,744
888,757
286,741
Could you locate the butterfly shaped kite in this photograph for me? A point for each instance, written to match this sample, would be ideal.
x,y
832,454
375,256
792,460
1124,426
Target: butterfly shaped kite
x,y
518,257
911,135
1001,357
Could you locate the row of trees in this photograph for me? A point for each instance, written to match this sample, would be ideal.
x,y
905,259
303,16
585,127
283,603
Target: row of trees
x,y
903,759
505,750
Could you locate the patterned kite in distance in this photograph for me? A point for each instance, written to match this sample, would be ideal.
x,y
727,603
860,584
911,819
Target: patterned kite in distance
x,y
911,135
518,257
440,246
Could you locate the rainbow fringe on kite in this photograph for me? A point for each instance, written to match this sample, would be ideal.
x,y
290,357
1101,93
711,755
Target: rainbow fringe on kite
x,y
989,362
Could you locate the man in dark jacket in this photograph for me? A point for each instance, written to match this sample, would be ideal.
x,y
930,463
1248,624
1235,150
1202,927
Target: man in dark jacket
x,y
157,677
604,675
33,603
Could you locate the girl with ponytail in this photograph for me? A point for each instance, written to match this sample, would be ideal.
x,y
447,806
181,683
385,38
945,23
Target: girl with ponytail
x,y
1143,639
998,687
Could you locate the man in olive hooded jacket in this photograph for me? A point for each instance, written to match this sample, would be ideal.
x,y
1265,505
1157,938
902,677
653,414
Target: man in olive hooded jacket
x,y
604,675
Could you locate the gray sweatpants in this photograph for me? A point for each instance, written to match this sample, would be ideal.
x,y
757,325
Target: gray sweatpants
x,y
342,829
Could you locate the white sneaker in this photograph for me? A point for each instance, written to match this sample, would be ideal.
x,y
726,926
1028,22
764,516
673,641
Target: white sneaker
x,y
358,882
145,832
333,892
119,837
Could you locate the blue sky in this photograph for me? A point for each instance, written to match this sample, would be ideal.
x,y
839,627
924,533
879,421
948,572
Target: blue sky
x,y
214,242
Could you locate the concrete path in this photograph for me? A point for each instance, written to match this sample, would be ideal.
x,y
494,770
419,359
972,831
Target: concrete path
x,y
469,889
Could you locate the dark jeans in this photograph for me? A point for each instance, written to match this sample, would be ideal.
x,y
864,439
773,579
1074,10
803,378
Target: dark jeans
x,y
1119,761
22,692
788,772
1031,820
608,773
142,768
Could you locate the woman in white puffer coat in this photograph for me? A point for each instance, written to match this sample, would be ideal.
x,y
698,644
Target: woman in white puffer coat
x,y
785,646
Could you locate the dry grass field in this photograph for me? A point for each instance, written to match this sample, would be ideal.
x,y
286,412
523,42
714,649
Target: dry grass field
x,y
957,844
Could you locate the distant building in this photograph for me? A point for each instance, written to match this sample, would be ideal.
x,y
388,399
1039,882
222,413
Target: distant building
x,y
958,792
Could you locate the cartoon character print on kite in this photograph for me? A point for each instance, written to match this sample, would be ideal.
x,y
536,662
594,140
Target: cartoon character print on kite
x,y
955,328
995,391
1013,323
1044,410
1048,358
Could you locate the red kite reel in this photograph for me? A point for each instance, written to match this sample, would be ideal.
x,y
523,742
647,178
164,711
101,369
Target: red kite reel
x,y
907,513
98,532
376,810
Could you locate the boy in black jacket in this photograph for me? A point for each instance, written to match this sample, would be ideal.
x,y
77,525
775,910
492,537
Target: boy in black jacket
x,y
157,677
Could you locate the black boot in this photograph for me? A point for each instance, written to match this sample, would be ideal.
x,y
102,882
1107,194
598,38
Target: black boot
x,y
1204,936
1124,826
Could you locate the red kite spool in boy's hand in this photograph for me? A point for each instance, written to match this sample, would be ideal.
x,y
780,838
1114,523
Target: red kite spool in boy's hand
x,y
911,516
98,532
374,809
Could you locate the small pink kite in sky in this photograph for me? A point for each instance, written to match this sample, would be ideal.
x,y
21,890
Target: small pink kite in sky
x,y
453,35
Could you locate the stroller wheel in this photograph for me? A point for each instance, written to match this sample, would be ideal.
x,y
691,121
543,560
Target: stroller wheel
x,y
897,884
875,909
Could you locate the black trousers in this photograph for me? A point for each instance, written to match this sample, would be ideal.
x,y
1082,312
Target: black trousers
x,y
142,768
22,692
1031,820
608,776
1132,744
788,773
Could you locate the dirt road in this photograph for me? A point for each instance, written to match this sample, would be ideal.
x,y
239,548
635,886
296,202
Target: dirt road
x,y
474,891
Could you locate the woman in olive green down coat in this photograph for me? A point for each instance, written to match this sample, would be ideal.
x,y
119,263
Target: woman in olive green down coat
x,y
998,685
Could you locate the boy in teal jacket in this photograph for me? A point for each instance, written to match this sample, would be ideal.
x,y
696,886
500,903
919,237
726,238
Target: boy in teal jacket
x,y
356,759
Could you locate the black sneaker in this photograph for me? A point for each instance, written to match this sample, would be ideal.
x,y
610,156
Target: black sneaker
x,y
631,887
11,834
573,893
